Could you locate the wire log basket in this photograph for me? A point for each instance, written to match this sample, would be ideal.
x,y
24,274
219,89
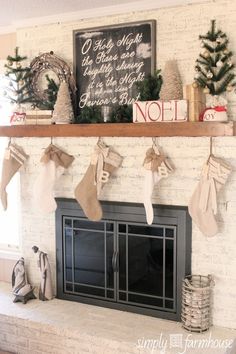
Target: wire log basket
x,y
197,303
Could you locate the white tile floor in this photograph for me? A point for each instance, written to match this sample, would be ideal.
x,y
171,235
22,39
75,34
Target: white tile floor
x,y
127,332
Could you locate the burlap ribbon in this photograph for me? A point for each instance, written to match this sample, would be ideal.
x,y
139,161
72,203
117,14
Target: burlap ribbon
x,y
157,162
57,155
152,161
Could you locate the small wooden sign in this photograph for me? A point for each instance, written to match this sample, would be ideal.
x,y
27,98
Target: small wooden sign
x,y
160,111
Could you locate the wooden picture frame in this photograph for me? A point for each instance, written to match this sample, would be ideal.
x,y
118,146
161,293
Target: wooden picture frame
x,y
109,60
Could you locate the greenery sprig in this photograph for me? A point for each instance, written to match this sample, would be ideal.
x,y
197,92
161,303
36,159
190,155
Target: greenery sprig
x,y
89,115
51,94
149,89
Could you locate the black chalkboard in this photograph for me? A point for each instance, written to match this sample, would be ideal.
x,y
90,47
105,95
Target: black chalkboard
x,y
109,60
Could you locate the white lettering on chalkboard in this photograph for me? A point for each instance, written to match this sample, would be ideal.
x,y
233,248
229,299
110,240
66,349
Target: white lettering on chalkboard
x,y
111,61
130,39
103,58
103,45
86,46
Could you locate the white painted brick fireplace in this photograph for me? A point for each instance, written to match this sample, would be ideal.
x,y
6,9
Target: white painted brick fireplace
x,y
177,37
209,255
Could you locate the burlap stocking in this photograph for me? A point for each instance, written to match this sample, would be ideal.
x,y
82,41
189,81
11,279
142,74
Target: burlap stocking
x,y
156,167
104,162
54,162
14,158
203,203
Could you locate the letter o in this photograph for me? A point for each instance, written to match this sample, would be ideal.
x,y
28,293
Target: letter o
x,y
86,46
154,103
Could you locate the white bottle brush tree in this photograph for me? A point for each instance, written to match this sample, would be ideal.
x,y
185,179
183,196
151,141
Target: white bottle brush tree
x,y
63,109
19,89
214,67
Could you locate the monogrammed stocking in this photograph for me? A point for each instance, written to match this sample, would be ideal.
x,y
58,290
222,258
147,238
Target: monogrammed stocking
x,y
156,167
104,162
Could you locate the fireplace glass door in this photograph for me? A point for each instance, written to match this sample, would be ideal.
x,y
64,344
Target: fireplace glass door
x,y
121,262
88,253
128,262
147,265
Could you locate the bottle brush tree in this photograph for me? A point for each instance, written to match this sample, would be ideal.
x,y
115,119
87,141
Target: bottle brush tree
x,y
214,67
63,109
172,88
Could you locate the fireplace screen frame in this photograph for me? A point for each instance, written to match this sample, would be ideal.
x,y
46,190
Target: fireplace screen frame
x,y
176,217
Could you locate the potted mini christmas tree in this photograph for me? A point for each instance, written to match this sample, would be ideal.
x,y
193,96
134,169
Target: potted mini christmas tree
x,y
215,70
18,90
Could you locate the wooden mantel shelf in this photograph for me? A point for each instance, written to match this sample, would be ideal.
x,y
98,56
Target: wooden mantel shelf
x,y
192,129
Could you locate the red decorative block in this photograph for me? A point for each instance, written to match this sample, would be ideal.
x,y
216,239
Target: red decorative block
x,y
17,118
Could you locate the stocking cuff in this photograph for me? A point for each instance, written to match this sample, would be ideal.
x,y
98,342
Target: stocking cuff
x,y
217,169
113,159
214,175
16,153
102,158
108,156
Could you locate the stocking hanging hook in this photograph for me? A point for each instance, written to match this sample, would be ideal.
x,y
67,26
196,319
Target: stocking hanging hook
x,y
155,145
210,145
9,142
100,141
154,141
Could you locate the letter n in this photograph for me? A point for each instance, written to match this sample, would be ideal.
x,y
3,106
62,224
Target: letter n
x,y
139,111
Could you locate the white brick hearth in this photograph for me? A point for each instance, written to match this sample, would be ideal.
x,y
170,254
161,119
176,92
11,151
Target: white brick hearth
x,y
61,327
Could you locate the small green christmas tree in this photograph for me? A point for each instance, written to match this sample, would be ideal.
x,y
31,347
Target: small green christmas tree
x,y
19,87
214,66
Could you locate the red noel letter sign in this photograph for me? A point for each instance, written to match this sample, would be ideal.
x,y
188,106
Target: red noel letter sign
x,y
160,111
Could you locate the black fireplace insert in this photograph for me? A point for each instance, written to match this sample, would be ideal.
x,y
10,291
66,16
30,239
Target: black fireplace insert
x,y
121,262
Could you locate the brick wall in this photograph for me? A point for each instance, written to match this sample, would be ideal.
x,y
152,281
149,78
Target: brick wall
x,y
6,266
177,37
8,43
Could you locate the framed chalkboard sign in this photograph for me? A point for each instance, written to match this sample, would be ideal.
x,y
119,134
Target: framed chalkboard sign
x,y
109,60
